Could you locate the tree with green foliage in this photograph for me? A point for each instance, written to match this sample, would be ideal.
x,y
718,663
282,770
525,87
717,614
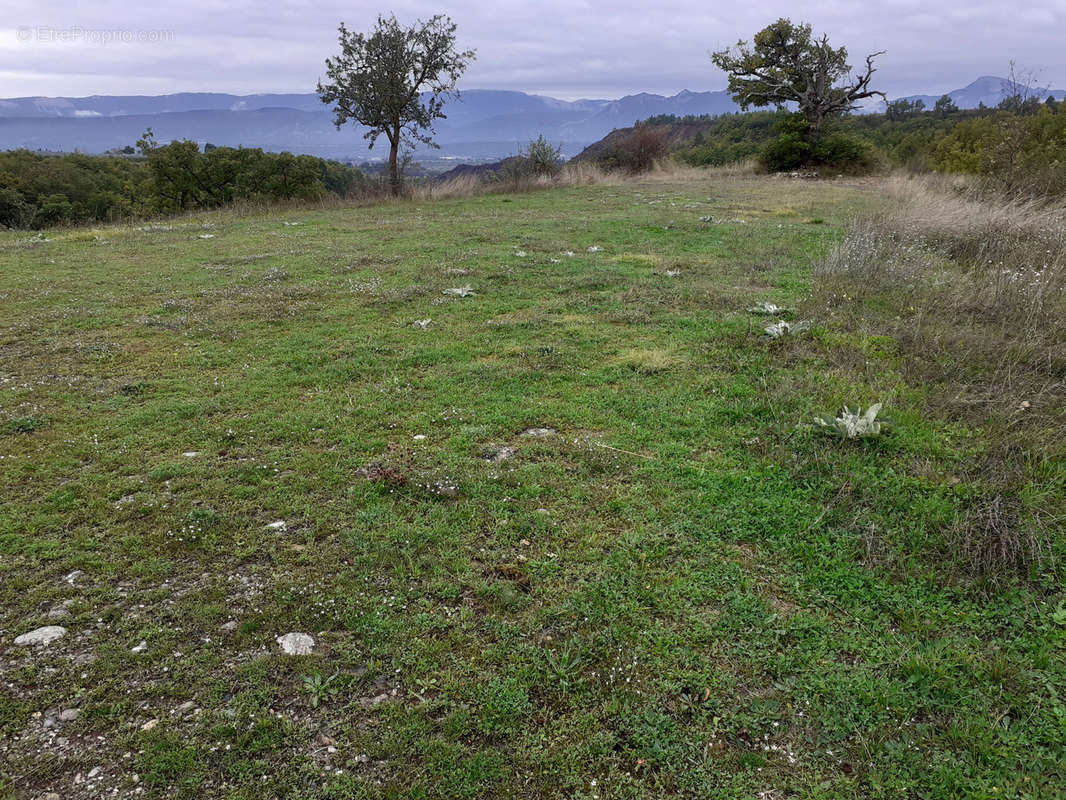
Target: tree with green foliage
x,y
544,158
784,64
394,81
903,108
945,106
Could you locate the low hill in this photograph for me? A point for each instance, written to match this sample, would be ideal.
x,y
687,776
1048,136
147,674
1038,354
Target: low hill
x,y
673,133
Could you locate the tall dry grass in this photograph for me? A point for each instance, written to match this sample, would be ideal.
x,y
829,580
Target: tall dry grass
x,y
972,288
988,259
571,175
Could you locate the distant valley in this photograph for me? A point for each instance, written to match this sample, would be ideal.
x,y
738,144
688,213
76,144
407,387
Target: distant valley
x,y
482,125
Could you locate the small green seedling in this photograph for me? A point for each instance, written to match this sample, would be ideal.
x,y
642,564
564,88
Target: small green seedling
x,y
318,688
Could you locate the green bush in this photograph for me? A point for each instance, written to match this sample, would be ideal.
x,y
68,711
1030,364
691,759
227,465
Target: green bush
x,y
794,149
1022,154
38,191
845,153
544,158
785,153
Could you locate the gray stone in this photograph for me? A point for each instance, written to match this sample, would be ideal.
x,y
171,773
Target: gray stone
x,y
185,707
373,702
229,627
296,644
41,636
69,714
494,455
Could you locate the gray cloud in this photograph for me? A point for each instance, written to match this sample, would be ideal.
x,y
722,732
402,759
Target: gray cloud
x,y
563,48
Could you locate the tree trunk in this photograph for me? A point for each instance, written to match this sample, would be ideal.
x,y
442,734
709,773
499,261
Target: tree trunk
x,y
816,127
394,173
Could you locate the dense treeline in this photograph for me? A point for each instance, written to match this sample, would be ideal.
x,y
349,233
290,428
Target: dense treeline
x,y
39,191
1020,145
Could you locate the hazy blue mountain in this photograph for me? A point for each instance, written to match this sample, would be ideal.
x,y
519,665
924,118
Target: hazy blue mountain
x,y
482,124
987,89
477,103
485,123
111,106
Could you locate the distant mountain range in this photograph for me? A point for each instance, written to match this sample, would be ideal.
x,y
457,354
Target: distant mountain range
x,y
987,89
483,124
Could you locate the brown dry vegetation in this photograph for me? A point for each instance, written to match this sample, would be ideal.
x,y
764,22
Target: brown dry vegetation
x,y
972,290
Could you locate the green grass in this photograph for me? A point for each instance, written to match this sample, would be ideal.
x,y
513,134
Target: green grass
x,y
683,592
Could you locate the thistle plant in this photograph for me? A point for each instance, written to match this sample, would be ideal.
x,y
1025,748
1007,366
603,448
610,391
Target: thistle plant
x,y
765,307
782,328
857,424
461,291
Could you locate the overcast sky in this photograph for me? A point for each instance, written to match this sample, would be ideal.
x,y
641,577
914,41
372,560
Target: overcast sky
x,y
563,48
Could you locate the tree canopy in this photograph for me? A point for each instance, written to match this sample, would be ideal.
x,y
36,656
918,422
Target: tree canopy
x,y
784,64
395,80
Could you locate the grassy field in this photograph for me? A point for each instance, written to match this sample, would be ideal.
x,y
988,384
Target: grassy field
x,y
572,537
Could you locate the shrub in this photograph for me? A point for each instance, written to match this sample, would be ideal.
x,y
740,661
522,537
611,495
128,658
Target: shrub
x,y
785,153
1021,154
543,158
639,150
37,190
795,149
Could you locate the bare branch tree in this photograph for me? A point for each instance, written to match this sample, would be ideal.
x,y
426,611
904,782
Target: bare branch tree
x,y
785,65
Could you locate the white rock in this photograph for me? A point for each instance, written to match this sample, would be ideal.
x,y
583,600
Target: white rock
x,y
296,644
191,453
140,648
149,724
41,636
538,432
279,525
